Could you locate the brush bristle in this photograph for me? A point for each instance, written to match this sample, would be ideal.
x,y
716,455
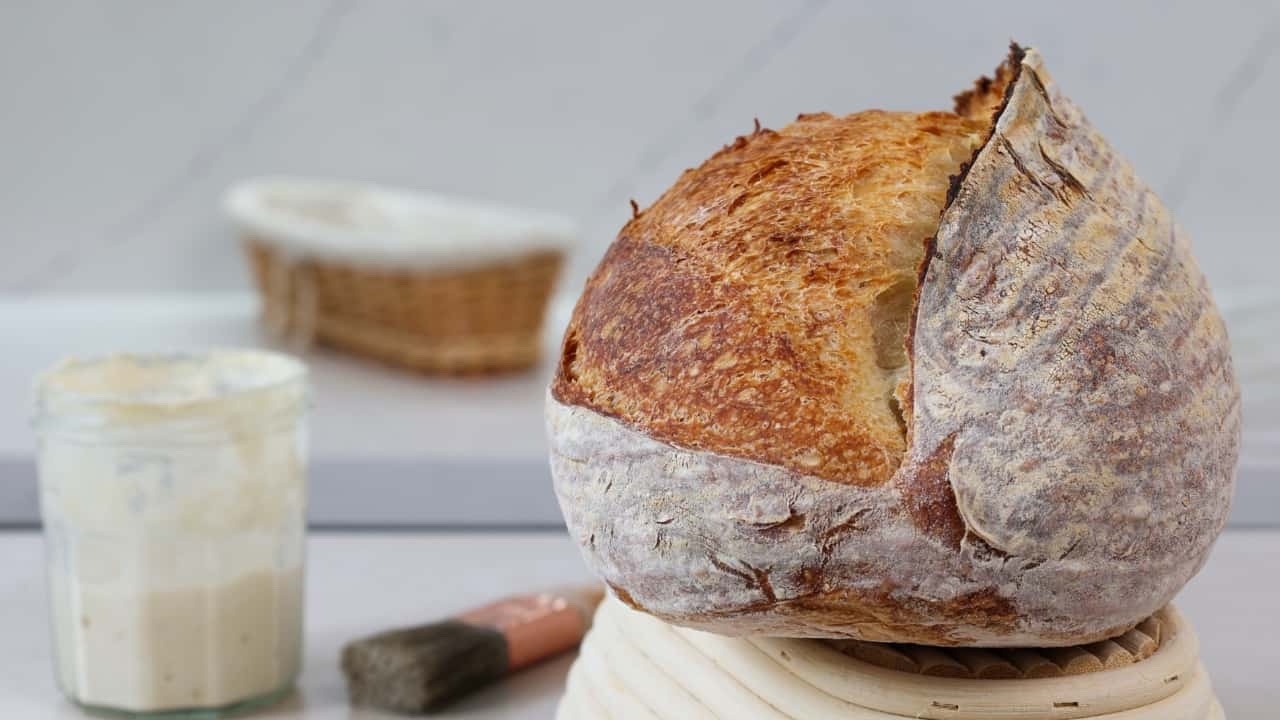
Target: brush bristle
x,y
421,668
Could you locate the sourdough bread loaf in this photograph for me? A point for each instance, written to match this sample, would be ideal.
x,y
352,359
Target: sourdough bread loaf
x,y
944,378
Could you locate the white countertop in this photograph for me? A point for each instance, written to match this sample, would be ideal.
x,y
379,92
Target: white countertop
x,y
390,447
425,450
416,415
363,583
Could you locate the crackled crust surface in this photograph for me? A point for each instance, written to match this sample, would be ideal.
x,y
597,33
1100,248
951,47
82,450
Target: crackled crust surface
x,y
1071,416
758,308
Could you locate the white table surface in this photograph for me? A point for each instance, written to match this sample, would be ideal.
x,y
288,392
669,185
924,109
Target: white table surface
x,y
397,448
363,583
416,416
388,447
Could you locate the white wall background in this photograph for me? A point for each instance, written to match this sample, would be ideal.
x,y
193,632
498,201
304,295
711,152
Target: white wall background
x,y
121,122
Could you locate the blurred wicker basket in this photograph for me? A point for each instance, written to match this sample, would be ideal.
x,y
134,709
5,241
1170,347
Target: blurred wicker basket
x,y
455,311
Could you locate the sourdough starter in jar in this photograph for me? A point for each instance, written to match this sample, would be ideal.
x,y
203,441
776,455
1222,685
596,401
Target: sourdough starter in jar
x,y
173,491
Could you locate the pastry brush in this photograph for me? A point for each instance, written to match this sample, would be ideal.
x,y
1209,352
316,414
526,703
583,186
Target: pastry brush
x,y
419,669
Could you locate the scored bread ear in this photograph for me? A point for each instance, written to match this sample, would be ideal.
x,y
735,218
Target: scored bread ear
x,y
986,100
1072,424
987,97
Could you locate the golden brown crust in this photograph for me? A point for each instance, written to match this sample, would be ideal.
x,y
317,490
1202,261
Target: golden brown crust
x,y
984,100
758,308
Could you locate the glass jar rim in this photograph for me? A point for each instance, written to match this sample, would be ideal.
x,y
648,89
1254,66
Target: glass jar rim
x,y
163,384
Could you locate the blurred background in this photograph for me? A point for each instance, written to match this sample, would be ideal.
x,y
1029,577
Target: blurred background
x,y
122,124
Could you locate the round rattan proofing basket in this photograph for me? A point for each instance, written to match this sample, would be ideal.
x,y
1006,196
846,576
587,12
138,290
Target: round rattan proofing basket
x,y
423,282
633,665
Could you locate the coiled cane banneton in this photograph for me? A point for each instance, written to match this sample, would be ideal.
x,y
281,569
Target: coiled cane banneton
x,y
634,665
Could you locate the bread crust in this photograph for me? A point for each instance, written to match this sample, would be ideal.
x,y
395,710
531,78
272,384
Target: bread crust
x,y
1071,426
738,314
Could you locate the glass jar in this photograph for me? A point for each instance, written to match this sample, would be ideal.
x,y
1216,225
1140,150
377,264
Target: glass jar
x,y
173,493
